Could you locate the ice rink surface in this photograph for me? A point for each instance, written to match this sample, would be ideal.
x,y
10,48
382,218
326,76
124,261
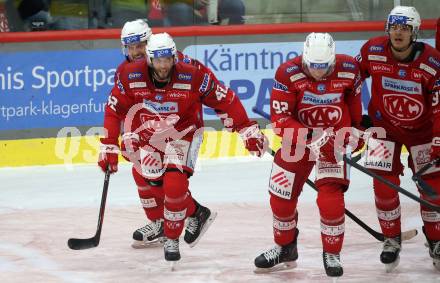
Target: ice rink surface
x,y
41,207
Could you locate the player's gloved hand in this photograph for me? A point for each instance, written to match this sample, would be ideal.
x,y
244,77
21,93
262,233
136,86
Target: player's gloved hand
x,y
108,157
320,141
130,147
435,148
254,140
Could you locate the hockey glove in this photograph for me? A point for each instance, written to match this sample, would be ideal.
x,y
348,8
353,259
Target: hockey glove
x,y
108,157
130,147
254,140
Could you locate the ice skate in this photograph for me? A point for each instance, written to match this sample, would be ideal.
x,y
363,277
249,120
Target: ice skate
x,y
151,235
332,264
278,258
390,253
434,251
198,224
172,253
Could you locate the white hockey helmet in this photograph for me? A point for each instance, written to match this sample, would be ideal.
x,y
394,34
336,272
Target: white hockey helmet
x,y
160,45
404,15
319,51
134,32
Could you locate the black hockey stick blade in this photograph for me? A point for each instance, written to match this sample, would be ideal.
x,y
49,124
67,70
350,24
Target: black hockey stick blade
x,y
417,178
83,244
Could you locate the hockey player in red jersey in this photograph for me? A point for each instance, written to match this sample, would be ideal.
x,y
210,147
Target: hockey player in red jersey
x,y
134,36
315,100
405,96
161,101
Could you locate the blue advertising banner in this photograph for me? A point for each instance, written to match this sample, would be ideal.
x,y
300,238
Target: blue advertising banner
x,y
56,88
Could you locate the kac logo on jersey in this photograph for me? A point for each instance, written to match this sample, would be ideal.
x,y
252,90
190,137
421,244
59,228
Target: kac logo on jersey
x,y
402,73
402,107
434,61
321,87
348,65
134,75
320,116
184,77
376,48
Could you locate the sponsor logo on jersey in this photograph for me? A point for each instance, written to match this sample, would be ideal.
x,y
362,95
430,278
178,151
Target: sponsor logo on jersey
x,y
427,69
186,60
348,65
416,74
405,86
437,83
162,108
346,75
377,58
376,48
358,58
279,86
205,82
281,182
381,68
292,69
120,86
142,92
152,166
320,115
402,107
134,75
401,73
379,155
339,84
184,77
321,87
159,97
181,86
434,61
178,95
296,77
137,84
321,99
302,85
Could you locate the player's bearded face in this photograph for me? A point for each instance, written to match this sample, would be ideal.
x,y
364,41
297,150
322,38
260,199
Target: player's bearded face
x,y
136,51
162,67
400,36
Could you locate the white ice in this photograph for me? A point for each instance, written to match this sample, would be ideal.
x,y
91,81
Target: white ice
x,y
41,207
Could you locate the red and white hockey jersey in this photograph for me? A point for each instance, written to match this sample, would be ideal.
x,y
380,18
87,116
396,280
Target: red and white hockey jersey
x,y
175,107
404,96
299,101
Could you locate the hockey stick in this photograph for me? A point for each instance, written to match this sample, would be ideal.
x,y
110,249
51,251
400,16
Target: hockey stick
x,y
407,235
392,185
417,177
82,244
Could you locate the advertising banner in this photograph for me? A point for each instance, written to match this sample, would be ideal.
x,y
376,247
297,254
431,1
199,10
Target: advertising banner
x,y
55,89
